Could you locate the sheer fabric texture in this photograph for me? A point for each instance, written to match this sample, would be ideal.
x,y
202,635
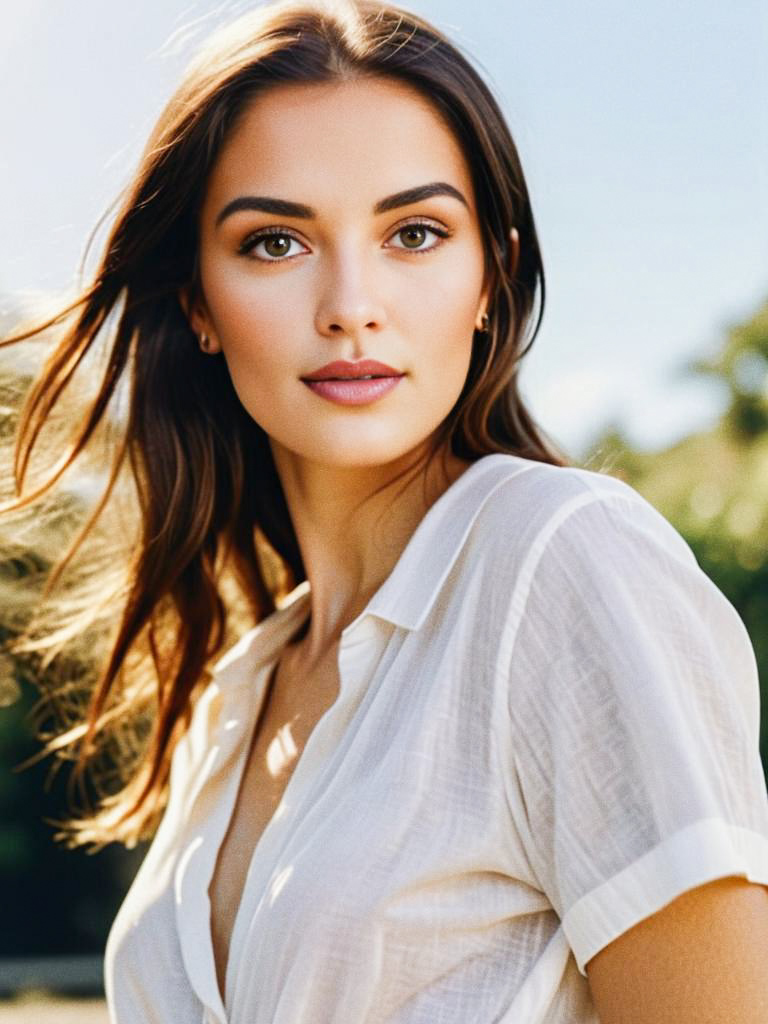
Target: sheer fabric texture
x,y
547,729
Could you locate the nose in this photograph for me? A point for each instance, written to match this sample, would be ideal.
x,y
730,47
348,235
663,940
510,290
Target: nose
x,y
349,305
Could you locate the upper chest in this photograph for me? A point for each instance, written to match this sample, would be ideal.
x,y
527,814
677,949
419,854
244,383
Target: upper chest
x,y
402,759
293,704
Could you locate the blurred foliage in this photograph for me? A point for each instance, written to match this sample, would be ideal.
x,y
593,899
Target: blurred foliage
x,y
57,901
713,485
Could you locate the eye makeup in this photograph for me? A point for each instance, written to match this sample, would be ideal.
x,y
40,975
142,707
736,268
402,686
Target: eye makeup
x,y
249,243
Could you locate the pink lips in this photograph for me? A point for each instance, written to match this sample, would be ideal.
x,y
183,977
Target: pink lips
x,y
353,383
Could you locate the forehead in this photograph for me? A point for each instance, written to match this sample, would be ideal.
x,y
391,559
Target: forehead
x,y
332,142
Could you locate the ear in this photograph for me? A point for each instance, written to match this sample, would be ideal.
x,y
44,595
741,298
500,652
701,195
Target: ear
x,y
514,252
512,261
485,298
199,320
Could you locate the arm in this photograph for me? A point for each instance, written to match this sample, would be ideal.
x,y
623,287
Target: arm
x,y
702,959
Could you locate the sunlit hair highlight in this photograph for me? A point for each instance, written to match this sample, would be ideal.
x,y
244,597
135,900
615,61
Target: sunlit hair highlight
x,y
191,539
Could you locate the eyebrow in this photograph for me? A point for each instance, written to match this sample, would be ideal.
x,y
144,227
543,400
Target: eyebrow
x,y
286,208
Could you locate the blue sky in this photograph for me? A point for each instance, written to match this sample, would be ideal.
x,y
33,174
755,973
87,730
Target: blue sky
x,y
641,128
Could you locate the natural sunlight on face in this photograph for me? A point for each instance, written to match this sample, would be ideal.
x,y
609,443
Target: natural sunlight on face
x,y
340,274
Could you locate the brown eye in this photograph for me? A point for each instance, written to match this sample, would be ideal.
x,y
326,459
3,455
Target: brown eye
x,y
276,245
269,246
413,235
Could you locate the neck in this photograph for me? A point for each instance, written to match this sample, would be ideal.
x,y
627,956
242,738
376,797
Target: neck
x,y
352,524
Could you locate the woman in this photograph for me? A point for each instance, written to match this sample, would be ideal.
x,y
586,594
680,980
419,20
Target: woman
x,y
489,752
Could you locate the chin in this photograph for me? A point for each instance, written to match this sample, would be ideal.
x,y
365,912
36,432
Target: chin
x,y
356,449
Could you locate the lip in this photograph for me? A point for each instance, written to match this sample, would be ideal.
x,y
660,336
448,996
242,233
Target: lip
x,y
342,370
353,392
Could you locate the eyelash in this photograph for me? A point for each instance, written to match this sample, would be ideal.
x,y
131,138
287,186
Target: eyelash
x,y
249,244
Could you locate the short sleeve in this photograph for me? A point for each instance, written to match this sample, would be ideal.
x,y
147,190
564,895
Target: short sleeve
x,y
634,704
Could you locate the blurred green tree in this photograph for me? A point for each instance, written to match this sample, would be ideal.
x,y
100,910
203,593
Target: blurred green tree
x,y
713,485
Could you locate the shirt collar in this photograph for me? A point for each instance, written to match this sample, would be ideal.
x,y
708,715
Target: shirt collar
x,y
409,592
412,587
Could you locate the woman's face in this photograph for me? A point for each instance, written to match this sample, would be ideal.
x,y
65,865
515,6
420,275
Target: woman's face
x,y
313,253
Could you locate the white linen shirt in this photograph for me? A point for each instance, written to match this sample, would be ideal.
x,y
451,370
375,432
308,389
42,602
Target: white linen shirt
x,y
546,730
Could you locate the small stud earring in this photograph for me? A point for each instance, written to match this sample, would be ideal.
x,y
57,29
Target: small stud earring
x,y
484,323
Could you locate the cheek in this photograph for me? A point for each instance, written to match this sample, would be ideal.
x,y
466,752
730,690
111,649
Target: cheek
x,y
255,326
428,330
239,308
444,322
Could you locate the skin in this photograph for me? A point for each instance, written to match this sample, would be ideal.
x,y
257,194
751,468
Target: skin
x,y
702,959
347,287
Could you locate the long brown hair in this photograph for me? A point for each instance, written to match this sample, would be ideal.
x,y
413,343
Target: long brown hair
x,y
213,525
